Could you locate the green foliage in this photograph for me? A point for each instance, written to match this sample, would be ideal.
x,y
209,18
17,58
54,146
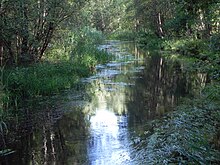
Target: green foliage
x,y
105,15
89,56
49,78
41,79
206,56
192,47
27,27
72,43
212,92
124,35
215,43
91,36
148,40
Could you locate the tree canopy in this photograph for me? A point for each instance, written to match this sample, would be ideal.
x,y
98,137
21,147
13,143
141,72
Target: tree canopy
x,y
28,26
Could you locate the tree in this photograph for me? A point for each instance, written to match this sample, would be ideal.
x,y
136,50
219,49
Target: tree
x,y
105,15
27,27
194,18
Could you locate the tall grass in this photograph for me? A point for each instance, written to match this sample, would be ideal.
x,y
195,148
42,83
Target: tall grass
x,y
57,72
49,78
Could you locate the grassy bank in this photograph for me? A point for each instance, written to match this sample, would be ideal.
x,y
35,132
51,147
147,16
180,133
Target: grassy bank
x,y
48,77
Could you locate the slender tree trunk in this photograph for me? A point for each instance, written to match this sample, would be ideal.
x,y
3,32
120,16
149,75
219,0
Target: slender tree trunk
x,y
208,26
160,29
1,53
10,58
47,39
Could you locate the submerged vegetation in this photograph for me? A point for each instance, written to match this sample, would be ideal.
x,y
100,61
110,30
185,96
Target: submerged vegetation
x,y
188,135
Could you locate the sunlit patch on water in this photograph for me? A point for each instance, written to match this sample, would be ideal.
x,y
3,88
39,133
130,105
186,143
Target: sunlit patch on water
x,y
108,139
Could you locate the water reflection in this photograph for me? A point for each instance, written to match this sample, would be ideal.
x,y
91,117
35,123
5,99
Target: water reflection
x,y
125,94
159,88
109,142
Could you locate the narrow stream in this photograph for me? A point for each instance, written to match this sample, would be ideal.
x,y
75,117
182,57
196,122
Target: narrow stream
x,y
103,124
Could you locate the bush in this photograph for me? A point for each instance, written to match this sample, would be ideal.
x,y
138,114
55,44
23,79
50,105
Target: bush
x,y
90,56
72,43
215,43
149,40
192,48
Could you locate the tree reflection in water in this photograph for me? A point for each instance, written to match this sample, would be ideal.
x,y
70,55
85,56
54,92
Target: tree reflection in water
x,y
125,94
159,88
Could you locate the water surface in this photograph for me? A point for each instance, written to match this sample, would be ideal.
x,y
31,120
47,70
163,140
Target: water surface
x,y
102,123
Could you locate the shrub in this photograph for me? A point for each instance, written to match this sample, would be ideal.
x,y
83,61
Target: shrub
x,y
215,43
192,47
149,40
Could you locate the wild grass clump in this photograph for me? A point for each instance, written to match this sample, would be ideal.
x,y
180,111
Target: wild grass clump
x,y
89,56
47,78
190,135
41,79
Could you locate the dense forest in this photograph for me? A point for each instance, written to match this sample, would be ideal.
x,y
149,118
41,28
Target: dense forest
x,y
46,46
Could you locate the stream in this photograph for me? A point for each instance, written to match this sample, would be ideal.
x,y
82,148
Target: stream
x,y
103,123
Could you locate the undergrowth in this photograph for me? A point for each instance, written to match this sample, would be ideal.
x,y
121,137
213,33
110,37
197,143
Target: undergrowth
x,y
71,56
47,78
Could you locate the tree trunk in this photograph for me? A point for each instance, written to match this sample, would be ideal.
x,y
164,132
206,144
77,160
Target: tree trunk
x,y
1,53
47,40
208,26
24,56
160,29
